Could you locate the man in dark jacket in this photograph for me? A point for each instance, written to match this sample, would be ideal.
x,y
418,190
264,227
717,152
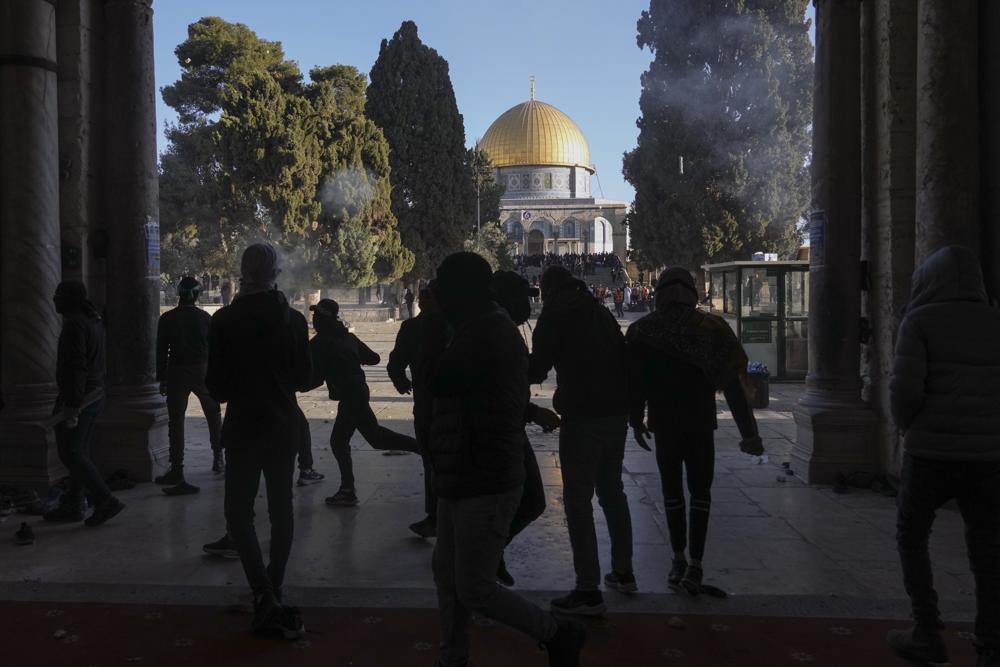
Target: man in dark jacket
x,y
578,336
80,379
338,356
678,357
480,388
181,364
420,340
945,398
258,358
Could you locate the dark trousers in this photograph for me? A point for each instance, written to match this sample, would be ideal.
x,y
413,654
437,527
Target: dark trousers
x,y
182,381
591,452
693,452
532,503
421,424
243,470
925,486
73,446
305,445
619,310
354,413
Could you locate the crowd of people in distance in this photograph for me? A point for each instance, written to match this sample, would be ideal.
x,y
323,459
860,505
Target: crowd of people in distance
x,y
465,361
578,264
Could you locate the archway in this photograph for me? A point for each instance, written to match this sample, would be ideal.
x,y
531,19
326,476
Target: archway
x,y
536,242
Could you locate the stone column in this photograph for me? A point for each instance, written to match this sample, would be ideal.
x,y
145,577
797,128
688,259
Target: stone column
x,y
29,240
947,125
834,427
132,432
989,85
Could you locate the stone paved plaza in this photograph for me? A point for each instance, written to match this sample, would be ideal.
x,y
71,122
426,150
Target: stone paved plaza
x,y
776,545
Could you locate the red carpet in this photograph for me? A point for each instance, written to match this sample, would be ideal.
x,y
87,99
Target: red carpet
x,y
37,634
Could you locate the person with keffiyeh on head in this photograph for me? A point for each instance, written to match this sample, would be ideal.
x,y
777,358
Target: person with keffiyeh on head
x,y
678,357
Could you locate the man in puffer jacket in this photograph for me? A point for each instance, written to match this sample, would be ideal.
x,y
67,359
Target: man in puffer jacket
x,y
945,398
480,389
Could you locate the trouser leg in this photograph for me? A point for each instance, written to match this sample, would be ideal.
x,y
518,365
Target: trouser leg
x,y
578,461
380,437
921,493
430,496
532,503
279,469
73,447
340,444
211,408
611,492
979,502
670,461
700,466
243,470
455,619
305,444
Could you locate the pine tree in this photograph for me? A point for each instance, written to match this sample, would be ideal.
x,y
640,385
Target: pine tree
x,y
410,97
720,166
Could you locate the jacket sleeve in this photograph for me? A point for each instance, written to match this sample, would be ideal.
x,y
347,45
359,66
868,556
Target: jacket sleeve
x,y
368,356
543,346
72,361
909,375
636,383
217,376
162,341
318,358
301,355
739,405
402,355
460,368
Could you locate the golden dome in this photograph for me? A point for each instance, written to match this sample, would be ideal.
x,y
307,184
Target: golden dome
x,y
535,133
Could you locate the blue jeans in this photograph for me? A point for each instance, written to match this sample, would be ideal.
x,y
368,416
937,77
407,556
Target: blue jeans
x,y
73,446
925,486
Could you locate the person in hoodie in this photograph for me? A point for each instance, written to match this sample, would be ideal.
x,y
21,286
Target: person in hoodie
x,y
678,357
258,358
578,336
338,356
80,380
480,389
945,399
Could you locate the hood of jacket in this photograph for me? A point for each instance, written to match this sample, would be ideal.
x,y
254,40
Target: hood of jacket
x,y
270,308
571,298
952,273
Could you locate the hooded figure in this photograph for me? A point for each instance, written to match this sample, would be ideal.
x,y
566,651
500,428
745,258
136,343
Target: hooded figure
x,y
945,398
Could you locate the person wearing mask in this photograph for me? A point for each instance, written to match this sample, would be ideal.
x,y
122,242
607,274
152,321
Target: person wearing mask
x,y
480,389
258,358
338,356
677,358
420,341
181,363
591,399
945,398
80,380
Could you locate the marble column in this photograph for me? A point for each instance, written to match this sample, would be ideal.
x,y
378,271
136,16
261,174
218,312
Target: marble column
x,y
132,433
947,125
834,428
989,82
29,240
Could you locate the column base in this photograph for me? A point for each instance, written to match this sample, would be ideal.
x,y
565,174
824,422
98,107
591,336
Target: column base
x,y
833,437
131,433
28,454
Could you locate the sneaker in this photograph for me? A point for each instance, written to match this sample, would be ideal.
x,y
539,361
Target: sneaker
x,y
924,646
24,536
425,528
68,513
172,477
224,548
580,603
182,489
265,614
290,623
677,572
218,463
310,476
343,498
106,510
503,575
692,580
565,646
623,583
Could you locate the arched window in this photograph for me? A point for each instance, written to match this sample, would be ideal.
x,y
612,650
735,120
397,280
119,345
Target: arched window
x,y
515,230
569,229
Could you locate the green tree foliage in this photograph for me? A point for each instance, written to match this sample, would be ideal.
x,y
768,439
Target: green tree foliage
x,y
493,244
258,152
487,190
729,94
411,99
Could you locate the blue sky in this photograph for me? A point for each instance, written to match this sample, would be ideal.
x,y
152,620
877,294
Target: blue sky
x,y
582,53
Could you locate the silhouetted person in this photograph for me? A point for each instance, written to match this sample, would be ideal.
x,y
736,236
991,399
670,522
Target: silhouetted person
x,y
480,387
408,299
226,292
418,343
80,380
678,357
181,364
338,356
258,359
578,336
945,398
